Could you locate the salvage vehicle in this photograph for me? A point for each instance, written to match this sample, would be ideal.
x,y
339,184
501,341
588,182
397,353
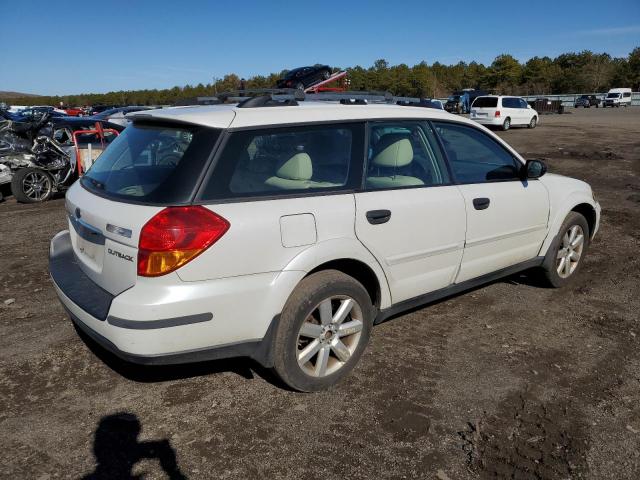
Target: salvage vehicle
x,y
460,101
617,97
587,101
47,155
304,77
283,229
547,105
503,112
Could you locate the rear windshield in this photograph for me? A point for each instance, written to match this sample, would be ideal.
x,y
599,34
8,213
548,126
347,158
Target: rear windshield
x,y
157,164
485,102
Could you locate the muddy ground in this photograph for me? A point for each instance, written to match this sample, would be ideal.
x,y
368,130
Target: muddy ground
x,y
512,380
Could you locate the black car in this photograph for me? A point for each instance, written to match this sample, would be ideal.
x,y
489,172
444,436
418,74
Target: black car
x,y
587,101
304,77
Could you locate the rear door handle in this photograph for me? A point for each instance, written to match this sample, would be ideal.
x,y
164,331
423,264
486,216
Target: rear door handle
x,y
481,203
376,217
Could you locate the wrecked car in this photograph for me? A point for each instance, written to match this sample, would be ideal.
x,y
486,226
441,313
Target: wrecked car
x,y
46,155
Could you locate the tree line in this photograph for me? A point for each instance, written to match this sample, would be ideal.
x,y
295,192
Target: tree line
x,y
567,73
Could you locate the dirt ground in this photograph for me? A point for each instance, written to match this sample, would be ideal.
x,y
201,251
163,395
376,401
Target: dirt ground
x,y
512,380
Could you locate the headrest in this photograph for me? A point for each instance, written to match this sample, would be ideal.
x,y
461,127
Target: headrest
x,y
297,167
393,150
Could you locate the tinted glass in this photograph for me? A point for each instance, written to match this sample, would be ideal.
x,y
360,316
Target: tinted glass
x,y
485,102
626,94
404,154
523,103
288,160
474,156
158,164
510,102
613,95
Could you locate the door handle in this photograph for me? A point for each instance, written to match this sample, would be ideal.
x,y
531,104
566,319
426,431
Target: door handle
x,y
481,203
376,217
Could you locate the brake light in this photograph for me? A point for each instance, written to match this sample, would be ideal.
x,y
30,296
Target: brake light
x,y
175,236
497,114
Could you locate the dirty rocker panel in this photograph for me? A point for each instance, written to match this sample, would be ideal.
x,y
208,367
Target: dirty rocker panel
x,y
454,289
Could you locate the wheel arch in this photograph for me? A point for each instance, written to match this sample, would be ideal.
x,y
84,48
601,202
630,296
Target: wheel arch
x,y
578,202
349,256
358,270
588,212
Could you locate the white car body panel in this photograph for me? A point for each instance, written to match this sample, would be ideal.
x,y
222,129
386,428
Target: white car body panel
x,y
509,231
434,239
417,255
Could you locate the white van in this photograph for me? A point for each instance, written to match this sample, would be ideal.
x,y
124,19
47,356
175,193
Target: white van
x,y
617,96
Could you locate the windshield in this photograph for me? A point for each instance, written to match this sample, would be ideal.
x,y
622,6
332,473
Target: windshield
x,y
454,98
613,95
152,163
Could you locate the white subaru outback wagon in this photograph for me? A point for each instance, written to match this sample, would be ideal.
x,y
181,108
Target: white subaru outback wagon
x,y
283,230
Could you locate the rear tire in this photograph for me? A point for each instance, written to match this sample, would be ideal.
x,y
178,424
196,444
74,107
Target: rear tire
x,y
31,185
507,124
323,331
567,251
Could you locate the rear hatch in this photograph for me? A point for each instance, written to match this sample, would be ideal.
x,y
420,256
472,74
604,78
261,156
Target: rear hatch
x,y
148,167
484,107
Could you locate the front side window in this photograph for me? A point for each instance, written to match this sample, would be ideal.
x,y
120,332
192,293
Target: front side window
x,y
474,156
404,154
152,163
613,95
287,160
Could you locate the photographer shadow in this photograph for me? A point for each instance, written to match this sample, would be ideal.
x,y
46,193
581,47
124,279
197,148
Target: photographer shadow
x,y
117,450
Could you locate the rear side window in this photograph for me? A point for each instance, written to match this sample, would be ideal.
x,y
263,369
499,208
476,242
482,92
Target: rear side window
x,y
485,102
288,160
153,163
474,156
510,102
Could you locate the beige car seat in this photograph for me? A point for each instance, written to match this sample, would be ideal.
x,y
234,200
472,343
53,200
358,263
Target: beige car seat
x,y
392,152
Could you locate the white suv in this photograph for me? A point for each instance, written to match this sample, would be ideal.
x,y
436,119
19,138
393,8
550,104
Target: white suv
x,y
504,112
283,230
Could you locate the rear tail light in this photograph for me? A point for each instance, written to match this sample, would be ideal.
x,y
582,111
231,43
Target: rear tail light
x,y
497,114
175,236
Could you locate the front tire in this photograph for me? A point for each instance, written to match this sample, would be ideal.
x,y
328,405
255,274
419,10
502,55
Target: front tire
x,y
323,331
533,122
566,254
31,185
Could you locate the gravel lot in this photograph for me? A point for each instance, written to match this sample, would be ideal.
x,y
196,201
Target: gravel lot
x,y
512,380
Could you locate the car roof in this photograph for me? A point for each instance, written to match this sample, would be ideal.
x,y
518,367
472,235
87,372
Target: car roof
x,y
230,116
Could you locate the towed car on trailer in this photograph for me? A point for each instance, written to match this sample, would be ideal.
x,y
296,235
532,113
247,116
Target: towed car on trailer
x,y
304,77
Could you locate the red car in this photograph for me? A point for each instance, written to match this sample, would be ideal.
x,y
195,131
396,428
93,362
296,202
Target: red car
x,y
75,111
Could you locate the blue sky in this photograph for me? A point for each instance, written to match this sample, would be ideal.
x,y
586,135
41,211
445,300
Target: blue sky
x,y
65,46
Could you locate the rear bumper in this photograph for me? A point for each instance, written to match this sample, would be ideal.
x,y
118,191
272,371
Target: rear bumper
x,y
167,321
488,120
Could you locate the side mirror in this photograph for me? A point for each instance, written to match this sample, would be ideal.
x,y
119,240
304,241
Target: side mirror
x,y
533,169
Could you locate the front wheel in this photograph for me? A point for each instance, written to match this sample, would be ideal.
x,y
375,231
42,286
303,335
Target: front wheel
x,y
31,185
323,331
507,124
565,255
533,122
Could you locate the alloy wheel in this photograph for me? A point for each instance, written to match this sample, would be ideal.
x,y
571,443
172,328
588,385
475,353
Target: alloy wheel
x,y
329,336
570,251
36,185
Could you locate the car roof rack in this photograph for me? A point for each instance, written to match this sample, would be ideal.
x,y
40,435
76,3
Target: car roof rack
x,y
288,97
